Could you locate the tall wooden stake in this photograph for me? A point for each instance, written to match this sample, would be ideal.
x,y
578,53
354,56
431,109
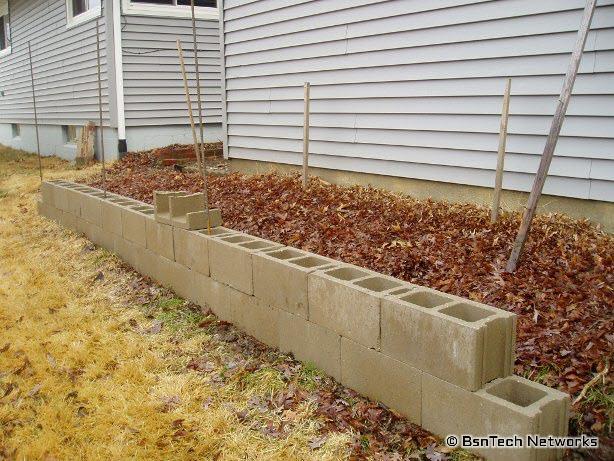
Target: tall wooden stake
x,y
38,146
496,204
555,129
306,136
194,137
188,101
104,174
203,165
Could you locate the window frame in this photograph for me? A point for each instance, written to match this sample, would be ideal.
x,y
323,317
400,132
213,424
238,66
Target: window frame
x,y
169,11
74,21
6,51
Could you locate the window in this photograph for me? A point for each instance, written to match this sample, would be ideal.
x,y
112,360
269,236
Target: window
x,y
205,9
16,130
80,11
5,31
70,133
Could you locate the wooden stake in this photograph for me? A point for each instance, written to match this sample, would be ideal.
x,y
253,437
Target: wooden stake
x,y
104,175
555,129
188,101
203,165
38,146
496,204
306,136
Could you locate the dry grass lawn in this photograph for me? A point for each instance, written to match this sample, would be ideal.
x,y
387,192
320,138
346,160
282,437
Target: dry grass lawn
x,y
83,375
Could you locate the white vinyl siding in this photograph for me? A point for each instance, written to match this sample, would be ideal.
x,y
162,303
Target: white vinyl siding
x,y
414,88
153,86
64,62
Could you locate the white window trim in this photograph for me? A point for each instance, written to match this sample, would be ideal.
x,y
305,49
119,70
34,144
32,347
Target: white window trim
x,y
5,52
169,11
74,21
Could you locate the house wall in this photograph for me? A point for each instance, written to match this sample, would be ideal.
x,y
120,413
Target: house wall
x,y
414,88
65,77
64,62
153,87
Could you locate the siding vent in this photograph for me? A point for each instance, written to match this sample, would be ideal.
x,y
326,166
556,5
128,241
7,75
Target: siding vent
x,y
15,130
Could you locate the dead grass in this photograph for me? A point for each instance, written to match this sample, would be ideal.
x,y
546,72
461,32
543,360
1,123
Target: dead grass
x,y
82,374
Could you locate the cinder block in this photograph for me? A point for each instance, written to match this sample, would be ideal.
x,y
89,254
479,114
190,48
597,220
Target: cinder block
x,y
382,378
213,295
145,261
310,343
230,259
176,277
43,208
61,197
134,227
255,318
91,209
192,248
47,190
187,212
159,238
507,406
112,217
459,341
89,230
347,300
162,205
280,278
74,202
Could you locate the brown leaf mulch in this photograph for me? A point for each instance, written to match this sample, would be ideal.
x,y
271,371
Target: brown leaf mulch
x,y
562,290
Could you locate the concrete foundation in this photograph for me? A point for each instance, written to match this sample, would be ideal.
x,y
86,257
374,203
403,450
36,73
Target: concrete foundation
x,y
442,361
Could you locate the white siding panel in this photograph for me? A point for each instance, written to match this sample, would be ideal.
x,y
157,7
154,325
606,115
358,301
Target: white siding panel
x,y
413,88
64,62
153,85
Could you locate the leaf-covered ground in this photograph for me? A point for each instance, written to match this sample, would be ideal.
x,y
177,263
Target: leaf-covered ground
x,y
562,291
97,362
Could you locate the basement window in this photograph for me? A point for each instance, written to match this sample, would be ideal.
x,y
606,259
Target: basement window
x,y
16,130
203,9
70,134
80,11
5,30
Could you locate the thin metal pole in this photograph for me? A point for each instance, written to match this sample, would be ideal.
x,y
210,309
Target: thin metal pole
x,y
104,175
306,135
553,137
496,203
38,146
203,165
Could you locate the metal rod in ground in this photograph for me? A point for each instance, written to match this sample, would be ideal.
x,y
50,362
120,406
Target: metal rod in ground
x,y
38,147
553,136
306,136
496,203
104,173
203,165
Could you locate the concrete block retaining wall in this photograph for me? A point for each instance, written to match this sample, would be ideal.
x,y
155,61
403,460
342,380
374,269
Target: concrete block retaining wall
x,y
442,361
